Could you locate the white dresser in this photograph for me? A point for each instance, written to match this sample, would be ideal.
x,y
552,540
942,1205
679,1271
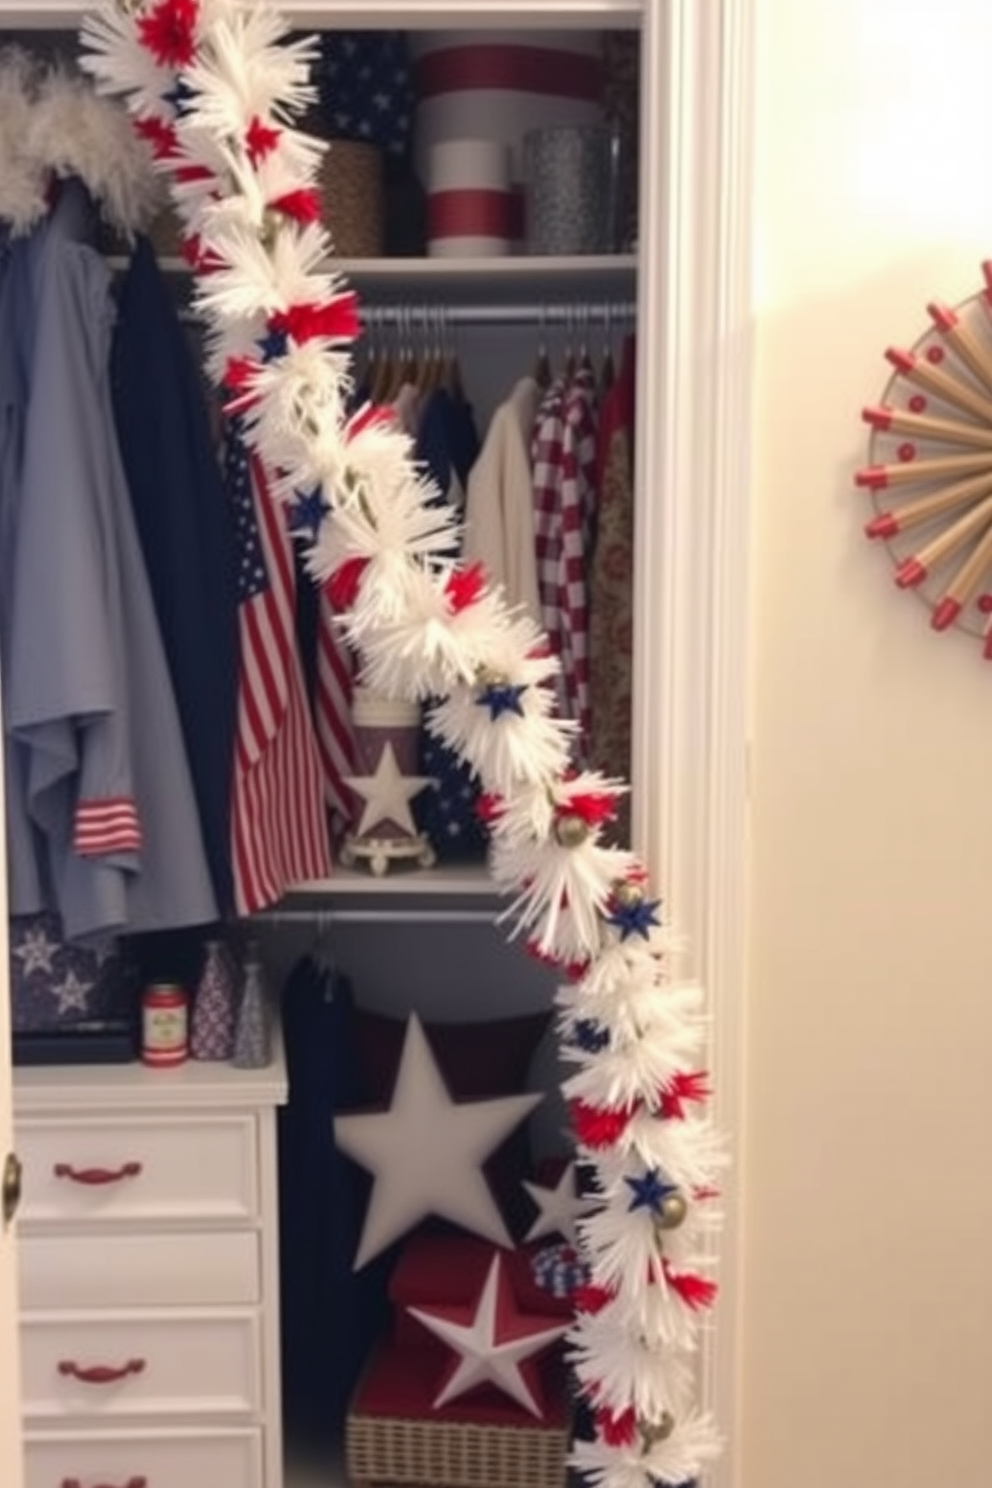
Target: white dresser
x,y
149,1279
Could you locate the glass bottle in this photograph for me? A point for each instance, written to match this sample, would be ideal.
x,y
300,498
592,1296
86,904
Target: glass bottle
x,y
215,1005
253,1034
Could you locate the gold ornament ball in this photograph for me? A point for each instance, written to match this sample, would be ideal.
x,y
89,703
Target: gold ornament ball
x,y
653,1432
673,1211
571,831
628,894
490,677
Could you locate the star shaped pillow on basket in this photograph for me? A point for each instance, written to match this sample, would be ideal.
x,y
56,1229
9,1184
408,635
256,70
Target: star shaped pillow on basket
x,y
493,1341
426,1152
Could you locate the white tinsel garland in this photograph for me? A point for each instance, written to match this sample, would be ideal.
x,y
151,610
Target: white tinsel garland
x,y
214,86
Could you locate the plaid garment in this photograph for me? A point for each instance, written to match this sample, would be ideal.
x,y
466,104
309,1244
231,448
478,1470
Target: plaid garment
x,y
563,456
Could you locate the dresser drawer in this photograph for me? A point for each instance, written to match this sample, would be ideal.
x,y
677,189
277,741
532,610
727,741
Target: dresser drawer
x,y
155,1363
161,1168
124,1459
175,1270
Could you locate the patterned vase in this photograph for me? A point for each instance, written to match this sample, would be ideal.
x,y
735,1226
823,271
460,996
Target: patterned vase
x,y
215,1005
253,1035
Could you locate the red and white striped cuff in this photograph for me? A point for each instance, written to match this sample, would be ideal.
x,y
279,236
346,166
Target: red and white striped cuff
x,y
106,825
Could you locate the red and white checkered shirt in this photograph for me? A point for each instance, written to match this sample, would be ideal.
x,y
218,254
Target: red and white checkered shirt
x,y
563,456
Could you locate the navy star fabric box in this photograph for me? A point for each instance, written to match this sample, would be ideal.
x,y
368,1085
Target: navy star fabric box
x,y
60,989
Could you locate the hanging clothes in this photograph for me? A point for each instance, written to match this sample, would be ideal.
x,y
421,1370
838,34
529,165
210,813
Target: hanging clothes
x,y
103,824
447,447
611,581
331,1314
563,454
187,537
499,507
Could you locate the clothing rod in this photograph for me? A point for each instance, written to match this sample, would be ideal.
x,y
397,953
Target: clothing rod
x,y
318,917
428,317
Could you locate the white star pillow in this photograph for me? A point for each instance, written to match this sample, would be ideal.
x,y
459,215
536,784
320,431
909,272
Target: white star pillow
x,y
493,1342
387,795
561,1207
426,1152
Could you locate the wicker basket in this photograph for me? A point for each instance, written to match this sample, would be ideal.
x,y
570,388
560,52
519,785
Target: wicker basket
x,y
352,198
453,1454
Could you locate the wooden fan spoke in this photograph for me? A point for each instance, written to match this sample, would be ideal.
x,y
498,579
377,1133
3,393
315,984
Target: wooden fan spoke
x,y
929,470
893,420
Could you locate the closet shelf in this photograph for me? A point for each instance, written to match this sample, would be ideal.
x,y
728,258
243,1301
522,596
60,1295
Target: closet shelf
x,y
587,277
458,880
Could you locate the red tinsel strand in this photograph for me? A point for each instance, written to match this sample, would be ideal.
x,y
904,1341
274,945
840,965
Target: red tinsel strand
x,y
593,807
573,970
464,587
190,173
260,140
303,205
168,31
617,1429
684,1086
590,1297
697,1292
596,1127
367,416
345,582
336,321
160,134
489,807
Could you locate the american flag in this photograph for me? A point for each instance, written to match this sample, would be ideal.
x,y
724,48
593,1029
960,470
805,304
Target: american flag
x,y
278,824
332,710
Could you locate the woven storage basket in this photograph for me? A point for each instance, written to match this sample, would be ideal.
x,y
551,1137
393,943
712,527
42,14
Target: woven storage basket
x,y
352,198
453,1454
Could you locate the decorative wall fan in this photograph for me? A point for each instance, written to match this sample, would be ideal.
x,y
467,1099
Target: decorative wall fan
x,y
930,466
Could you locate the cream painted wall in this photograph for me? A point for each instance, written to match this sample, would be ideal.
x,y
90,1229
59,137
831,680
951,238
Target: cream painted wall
x,y
867,1163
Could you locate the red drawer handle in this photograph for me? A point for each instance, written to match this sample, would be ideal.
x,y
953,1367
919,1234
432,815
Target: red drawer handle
x,y
100,1374
94,1176
131,1483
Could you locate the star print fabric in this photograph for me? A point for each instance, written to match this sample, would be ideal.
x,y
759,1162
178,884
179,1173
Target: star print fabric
x,y
366,89
56,983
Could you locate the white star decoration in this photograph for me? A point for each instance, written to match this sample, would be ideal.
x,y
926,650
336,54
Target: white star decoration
x,y
492,1343
426,1152
72,993
36,951
561,1207
387,794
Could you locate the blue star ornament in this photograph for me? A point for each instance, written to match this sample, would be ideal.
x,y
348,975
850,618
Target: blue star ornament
x,y
273,345
502,697
636,919
649,1191
590,1036
308,512
181,96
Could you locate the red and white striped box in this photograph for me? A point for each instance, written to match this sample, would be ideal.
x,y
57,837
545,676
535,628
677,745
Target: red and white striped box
x,y
496,85
472,210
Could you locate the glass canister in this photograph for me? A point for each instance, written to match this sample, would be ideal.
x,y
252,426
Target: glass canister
x,y
253,1031
570,189
215,1005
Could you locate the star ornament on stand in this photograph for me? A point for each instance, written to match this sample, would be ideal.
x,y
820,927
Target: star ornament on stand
x,y
387,794
494,1342
426,1152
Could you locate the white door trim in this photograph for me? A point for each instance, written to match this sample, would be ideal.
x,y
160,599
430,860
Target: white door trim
x,y
691,583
